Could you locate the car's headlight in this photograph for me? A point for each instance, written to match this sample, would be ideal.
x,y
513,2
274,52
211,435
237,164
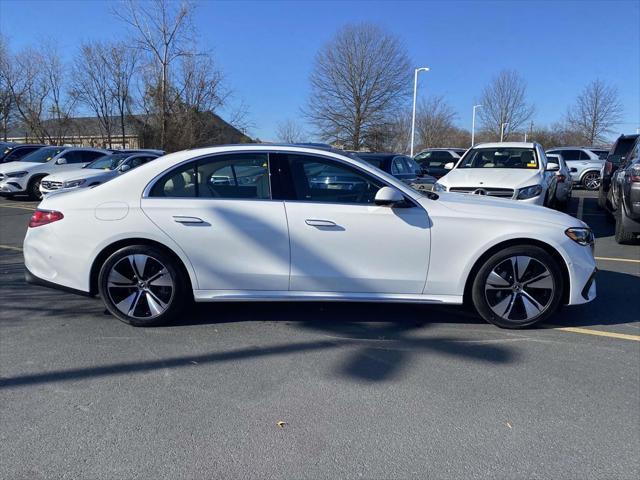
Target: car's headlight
x,y
583,236
529,192
17,174
73,183
438,187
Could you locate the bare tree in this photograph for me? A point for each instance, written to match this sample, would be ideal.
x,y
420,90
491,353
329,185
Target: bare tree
x,y
91,85
596,110
289,131
434,122
504,102
163,29
38,88
360,78
7,106
121,63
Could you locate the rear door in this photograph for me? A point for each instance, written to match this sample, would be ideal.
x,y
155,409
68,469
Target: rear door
x,y
340,240
219,210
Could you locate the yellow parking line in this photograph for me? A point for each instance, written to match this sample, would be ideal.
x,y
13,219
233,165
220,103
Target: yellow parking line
x,y
612,259
599,333
9,247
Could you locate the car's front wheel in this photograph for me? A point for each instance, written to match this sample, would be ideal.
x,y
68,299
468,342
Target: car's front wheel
x,y
142,286
517,287
33,189
591,181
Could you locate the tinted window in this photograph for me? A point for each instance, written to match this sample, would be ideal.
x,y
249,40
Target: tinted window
x,y
87,156
243,175
316,179
500,158
571,154
43,154
137,161
623,146
437,159
398,166
18,153
584,155
412,164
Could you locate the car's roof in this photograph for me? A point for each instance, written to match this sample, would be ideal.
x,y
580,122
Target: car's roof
x,y
378,154
579,148
442,149
506,145
20,145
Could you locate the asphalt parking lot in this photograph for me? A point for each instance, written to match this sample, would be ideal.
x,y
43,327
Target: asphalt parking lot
x,y
364,390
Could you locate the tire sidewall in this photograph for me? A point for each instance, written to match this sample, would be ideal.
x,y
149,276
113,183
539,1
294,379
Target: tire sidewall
x,y
179,294
34,188
478,288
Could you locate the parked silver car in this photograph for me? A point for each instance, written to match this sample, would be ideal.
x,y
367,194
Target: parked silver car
x,y
584,165
564,185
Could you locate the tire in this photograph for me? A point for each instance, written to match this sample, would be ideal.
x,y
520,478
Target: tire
x,y
504,296
129,293
621,235
591,181
33,189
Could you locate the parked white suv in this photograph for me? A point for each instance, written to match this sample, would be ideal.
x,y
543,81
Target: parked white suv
x,y
584,165
99,171
24,177
514,170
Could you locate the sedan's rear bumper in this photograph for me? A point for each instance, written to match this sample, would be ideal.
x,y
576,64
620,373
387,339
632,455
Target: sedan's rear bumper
x,y
34,280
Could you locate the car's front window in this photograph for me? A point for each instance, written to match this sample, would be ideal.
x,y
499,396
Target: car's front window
x,y
42,155
500,157
108,162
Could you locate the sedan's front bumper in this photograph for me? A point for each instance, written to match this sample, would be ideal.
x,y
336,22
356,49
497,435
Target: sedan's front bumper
x,y
11,187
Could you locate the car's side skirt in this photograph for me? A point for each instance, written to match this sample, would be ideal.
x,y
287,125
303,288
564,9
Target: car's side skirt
x,y
298,296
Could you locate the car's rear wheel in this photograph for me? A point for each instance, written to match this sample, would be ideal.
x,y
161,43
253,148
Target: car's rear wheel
x,y
621,235
33,189
591,181
518,287
142,286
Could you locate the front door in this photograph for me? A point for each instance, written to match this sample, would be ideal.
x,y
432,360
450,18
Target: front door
x,y
340,240
219,210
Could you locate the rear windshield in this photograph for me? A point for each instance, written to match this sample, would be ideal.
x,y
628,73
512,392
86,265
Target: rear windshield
x,y
42,155
500,158
623,146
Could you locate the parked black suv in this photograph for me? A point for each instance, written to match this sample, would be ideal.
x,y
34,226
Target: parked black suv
x,y
402,167
617,157
624,196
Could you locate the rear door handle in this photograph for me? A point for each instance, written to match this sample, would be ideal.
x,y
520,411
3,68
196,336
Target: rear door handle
x,y
184,219
319,223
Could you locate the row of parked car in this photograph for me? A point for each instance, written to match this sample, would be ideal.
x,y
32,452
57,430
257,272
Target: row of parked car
x,y
36,170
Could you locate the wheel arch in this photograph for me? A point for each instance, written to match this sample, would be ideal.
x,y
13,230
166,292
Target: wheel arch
x,y
588,170
566,278
117,245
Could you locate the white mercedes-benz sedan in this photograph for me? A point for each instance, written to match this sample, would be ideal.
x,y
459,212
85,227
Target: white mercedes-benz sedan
x,y
514,170
292,223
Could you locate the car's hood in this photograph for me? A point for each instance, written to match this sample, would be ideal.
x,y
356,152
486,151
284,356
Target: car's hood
x,y
477,206
18,166
79,174
491,177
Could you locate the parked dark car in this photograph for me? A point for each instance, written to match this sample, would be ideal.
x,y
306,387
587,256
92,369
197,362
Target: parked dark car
x,y
15,152
434,159
402,167
617,157
624,196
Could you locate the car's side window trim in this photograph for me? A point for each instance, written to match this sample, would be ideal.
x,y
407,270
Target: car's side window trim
x,y
341,162
147,190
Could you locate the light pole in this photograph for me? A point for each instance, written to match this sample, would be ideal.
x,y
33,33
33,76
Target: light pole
x,y
502,130
473,125
413,117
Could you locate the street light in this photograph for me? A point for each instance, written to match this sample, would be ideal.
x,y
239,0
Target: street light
x,y
415,89
502,130
473,125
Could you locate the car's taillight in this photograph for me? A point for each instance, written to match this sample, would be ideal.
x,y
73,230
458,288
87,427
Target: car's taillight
x,y
635,173
43,217
561,178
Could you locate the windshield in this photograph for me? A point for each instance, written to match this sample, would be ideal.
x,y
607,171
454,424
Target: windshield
x,y
42,155
500,158
108,162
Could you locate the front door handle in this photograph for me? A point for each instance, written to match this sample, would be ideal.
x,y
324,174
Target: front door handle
x,y
319,223
185,219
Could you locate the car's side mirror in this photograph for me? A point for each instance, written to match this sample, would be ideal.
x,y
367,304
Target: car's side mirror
x,y
449,166
552,167
389,197
124,168
61,161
